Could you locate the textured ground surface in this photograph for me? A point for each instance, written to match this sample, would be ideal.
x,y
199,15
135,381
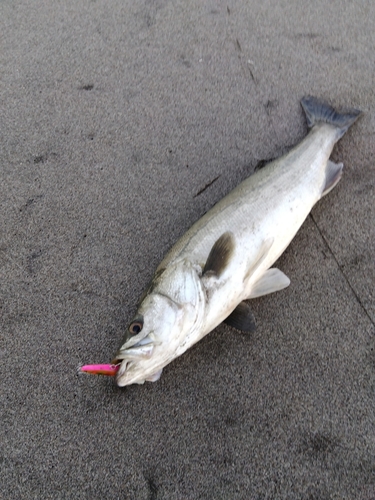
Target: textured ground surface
x,y
114,118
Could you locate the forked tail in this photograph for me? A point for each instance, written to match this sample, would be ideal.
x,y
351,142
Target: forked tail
x,y
318,111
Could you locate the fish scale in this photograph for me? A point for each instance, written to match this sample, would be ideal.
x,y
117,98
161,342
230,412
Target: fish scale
x,y
252,200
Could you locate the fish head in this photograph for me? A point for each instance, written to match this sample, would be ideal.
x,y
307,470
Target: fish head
x,y
167,315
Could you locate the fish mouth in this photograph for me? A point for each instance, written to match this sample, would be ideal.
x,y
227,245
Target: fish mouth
x,y
142,350
127,356
126,376
136,353
124,365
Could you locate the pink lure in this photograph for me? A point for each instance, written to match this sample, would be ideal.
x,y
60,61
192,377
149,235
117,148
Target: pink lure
x,y
109,370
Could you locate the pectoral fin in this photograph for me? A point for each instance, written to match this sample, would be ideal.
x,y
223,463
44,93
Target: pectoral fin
x,y
155,376
220,255
272,280
242,318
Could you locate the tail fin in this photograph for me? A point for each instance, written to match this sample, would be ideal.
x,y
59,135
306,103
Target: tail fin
x,y
318,111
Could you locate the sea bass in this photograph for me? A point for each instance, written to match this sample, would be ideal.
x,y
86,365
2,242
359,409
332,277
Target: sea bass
x,y
225,258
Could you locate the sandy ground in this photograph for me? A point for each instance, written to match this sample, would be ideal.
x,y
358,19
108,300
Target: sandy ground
x,y
114,118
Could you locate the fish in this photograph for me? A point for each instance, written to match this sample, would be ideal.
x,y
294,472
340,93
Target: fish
x,y
226,257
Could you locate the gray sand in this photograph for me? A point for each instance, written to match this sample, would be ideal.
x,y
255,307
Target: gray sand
x,y
114,118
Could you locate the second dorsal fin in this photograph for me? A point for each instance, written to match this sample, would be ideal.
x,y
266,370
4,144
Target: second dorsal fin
x,y
333,175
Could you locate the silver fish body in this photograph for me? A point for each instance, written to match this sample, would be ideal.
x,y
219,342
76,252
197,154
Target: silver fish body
x,y
225,258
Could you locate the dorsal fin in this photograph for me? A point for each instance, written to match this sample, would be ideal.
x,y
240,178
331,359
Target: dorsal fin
x,y
220,255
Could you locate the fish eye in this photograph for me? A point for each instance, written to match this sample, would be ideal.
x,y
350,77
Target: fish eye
x,y
135,327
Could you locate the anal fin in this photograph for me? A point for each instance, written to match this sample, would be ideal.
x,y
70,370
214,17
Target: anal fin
x,y
242,318
271,281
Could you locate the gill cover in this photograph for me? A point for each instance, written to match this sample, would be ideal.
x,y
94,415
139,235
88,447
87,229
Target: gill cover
x,y
168,313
